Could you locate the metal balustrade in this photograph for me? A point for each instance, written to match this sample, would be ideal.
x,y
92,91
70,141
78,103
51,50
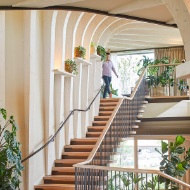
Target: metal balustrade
x,y
94,173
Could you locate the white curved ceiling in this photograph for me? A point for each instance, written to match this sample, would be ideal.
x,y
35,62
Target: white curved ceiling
x,y
137,34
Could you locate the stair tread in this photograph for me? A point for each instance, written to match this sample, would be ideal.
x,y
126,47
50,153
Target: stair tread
x,y
107,117
56,187
69,160
76,153
85,139
78,146
70,169
68,178
93,132
109,99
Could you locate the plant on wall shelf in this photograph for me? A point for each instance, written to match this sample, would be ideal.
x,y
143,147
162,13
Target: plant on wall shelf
x,y
71,66
10,154
80,52
101,52
92,48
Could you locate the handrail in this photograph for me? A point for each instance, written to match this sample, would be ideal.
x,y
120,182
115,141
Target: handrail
x,y
106,128
61,126
160,65
105,168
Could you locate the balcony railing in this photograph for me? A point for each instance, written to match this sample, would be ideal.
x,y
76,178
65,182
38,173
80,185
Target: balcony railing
x,y
93,174
161,81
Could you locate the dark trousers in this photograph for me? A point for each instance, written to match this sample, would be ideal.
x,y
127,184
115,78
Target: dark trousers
x,y
107,81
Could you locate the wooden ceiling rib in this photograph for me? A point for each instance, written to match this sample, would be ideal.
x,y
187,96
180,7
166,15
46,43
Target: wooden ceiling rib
x,y
153,26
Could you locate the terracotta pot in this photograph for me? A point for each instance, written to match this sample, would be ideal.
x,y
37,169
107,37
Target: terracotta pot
x,y
98,52
77,53
92,50
68,68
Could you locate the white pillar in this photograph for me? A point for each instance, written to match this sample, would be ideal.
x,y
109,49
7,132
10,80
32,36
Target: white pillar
x,y
92,80
84,98
2,59
49,44
59,114
77,101
69,133
97,84
59,63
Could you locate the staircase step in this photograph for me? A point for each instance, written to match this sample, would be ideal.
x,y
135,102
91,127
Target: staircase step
x,y
84,141
55,187
63,171
93,134
95,128
99,123
67,162
108,104
101,118
78,148
109,100
105,113
135,127
75,155
106,108
59,179
145,102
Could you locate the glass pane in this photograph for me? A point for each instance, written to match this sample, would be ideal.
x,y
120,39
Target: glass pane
x,y
148,157
125,155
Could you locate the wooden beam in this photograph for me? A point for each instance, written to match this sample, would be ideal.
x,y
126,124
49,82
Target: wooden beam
x,y
70,8
44,3
136,5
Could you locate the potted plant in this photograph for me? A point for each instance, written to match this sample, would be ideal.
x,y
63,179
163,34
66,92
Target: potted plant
x,y
175,160
101,52
183,87
71,66
80,52
92,48
10,154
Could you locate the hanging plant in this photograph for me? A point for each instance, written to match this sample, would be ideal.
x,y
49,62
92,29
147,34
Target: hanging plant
x,y
10,154
71,66
80,52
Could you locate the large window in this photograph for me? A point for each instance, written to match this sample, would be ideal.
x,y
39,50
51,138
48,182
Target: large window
x,y
139,154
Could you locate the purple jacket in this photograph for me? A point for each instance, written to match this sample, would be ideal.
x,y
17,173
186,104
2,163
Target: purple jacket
x,y
107,68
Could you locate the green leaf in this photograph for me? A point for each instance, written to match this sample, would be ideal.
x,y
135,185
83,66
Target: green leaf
x,y
179,140
179,150
4,113
164,147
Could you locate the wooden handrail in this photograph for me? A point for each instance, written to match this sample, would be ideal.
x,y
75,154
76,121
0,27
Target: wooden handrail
x,y
106,128
105,168
161,65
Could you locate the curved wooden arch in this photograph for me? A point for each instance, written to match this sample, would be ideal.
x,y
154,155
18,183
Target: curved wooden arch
x,y
104,25
180,13
60,38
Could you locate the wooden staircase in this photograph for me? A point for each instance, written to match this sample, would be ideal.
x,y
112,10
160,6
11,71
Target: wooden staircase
x,y
63,174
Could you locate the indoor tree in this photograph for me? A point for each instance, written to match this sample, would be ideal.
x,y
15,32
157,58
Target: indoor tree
x,y
10,154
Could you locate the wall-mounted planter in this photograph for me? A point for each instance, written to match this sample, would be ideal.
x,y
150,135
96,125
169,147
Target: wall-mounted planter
x,y
71,66
80,52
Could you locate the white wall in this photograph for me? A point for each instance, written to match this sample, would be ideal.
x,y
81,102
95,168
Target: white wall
x,y
2,59
14,75
35,43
